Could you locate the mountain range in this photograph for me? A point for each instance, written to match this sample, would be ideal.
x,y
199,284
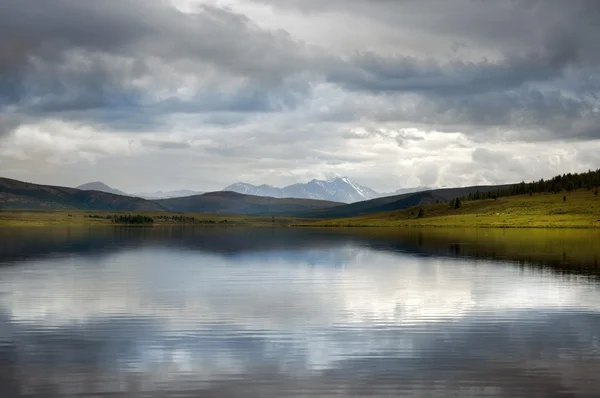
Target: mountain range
x,y
339,189
23,195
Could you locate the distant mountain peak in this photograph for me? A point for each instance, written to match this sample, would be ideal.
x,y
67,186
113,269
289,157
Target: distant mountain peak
x,y
100,186
338,188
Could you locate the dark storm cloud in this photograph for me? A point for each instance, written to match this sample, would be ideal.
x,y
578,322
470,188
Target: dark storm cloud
x,y
143,28
540,77
72,56
529,66
371,72
527,113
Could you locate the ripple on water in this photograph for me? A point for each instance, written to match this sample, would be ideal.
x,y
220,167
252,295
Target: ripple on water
x,y
316,314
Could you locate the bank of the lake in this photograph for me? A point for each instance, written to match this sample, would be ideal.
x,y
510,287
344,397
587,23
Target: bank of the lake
x,y
41,218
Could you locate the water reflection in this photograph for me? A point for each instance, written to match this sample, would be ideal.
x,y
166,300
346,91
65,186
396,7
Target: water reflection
x,y
197,312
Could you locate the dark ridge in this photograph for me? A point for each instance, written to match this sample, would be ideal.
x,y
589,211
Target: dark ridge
x,y
228,202
399,202
23,195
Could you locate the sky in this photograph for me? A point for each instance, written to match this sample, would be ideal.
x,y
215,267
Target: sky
x,y
151,95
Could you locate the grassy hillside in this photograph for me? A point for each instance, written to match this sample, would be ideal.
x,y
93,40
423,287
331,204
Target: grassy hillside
x,y
23,195
398,202
581,209
224,202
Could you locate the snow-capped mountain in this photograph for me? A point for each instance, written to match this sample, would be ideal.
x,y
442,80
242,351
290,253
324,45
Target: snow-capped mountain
x,y
338,189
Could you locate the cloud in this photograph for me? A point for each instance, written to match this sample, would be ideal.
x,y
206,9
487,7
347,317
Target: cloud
x,y
8,122
285,90
526,64
166,144
131,55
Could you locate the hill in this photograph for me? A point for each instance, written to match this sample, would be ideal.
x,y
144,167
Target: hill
x,y
23,195
399,202
225,202
579,208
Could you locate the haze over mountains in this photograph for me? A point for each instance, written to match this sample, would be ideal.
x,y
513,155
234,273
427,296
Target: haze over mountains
x,y
102,187
168,194
337,189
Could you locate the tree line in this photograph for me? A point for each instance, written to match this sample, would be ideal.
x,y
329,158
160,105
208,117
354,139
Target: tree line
x,y
589,180
124,219
140,219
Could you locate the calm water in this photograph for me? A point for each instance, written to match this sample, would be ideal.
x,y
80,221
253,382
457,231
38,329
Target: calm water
x,y
286,312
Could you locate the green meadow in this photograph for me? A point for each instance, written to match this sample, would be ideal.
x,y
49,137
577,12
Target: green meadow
x,y
20,218
575,209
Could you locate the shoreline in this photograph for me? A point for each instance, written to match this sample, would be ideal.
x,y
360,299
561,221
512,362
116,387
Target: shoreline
x,y
15,223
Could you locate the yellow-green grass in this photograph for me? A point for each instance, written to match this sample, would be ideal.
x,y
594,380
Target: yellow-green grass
x,y
580,210
10,218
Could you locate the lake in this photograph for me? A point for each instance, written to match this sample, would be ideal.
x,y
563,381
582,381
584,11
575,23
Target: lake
x,y
224,312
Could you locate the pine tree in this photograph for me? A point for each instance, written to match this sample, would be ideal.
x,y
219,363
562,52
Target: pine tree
x,y
457,203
